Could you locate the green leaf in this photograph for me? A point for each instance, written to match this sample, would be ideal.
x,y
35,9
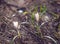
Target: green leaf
x,y
32,16
43,9
37,28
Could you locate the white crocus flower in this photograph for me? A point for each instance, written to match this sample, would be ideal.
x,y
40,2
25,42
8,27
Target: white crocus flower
x,y
37,16
15,23
46,18
20,11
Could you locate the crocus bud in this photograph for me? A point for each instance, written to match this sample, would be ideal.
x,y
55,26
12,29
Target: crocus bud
x,y
15,24
37,16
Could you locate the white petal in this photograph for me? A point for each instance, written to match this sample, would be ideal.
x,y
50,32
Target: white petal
x,y
15,23
20,11
46,18
37,16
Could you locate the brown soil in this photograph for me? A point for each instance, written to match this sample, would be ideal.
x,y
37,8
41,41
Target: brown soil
x,y
28,31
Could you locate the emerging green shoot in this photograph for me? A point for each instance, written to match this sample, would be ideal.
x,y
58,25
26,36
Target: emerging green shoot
x,y
43,9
